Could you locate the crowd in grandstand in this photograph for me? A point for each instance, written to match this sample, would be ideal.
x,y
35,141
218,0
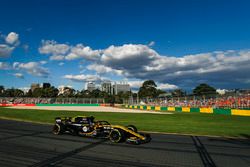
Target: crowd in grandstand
x,y
219,102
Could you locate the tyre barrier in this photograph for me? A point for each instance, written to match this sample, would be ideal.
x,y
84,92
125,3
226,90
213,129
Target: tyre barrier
x,y
209,110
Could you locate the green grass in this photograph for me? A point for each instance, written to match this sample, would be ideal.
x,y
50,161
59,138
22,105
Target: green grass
x,y
183,123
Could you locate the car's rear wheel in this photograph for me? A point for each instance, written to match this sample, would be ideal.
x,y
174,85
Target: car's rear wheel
x,y
57,129
132,127
116,136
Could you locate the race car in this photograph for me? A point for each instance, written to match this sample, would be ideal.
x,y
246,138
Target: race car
x,y
87,126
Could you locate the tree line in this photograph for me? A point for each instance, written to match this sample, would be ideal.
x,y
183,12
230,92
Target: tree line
x,y
147,90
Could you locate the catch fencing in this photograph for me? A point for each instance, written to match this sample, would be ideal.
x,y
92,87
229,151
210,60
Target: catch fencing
x,y
27,100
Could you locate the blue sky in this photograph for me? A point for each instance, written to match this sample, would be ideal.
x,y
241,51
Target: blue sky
x,y
179,44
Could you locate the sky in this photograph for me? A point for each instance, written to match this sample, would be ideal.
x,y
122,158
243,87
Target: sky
x,y
177,43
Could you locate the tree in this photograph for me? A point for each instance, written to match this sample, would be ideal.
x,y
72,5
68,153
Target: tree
x,y
50,92
103,94
95,93
178,93
204,90
69,92
84,94
121,97
159,91
2,90
29,93
38,92
18,93
124,95
148,89
13,93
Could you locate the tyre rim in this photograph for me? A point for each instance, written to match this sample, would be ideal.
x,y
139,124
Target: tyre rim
x,y
115,136
130,128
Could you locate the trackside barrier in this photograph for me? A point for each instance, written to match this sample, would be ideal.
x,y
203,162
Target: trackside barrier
x,y
67,104
104,105
241,112
10,105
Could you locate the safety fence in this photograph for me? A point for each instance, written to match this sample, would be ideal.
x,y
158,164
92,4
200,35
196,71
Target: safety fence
x,y
242,112
73,105
30,100
10,104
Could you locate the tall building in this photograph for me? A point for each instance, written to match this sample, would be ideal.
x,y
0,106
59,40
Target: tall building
x,y
91,86
106,86
34,86
121,87
115,88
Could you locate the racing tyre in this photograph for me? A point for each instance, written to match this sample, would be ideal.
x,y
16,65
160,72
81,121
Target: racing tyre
x,y
116,136
148,137
57,129
132,127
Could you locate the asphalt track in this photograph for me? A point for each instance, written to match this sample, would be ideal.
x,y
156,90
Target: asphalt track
x,y
28,144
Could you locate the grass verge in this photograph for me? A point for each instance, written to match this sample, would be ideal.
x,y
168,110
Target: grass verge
x,y
181,123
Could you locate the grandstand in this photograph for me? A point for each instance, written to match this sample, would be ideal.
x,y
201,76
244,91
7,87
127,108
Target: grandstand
x,y
193,101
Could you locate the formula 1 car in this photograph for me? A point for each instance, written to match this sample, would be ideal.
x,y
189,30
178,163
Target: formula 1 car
x,y
87,126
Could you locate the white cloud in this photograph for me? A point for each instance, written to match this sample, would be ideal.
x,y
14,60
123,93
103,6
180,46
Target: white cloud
x,y
12,38
15,65
81,51
163,86
43,62
72,56
67,52
102,69
25,89
63,86
167,86
4,66
61,64
33,68
5,50
83,78
142,62
221,91
56,57
152,43
135,84
11,42
142,54
19,75
52,47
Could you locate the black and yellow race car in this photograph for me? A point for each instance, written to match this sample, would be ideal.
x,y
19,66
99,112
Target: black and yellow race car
x,y
87,126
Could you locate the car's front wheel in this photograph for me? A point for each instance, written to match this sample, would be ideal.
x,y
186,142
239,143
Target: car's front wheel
x,y
116,136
